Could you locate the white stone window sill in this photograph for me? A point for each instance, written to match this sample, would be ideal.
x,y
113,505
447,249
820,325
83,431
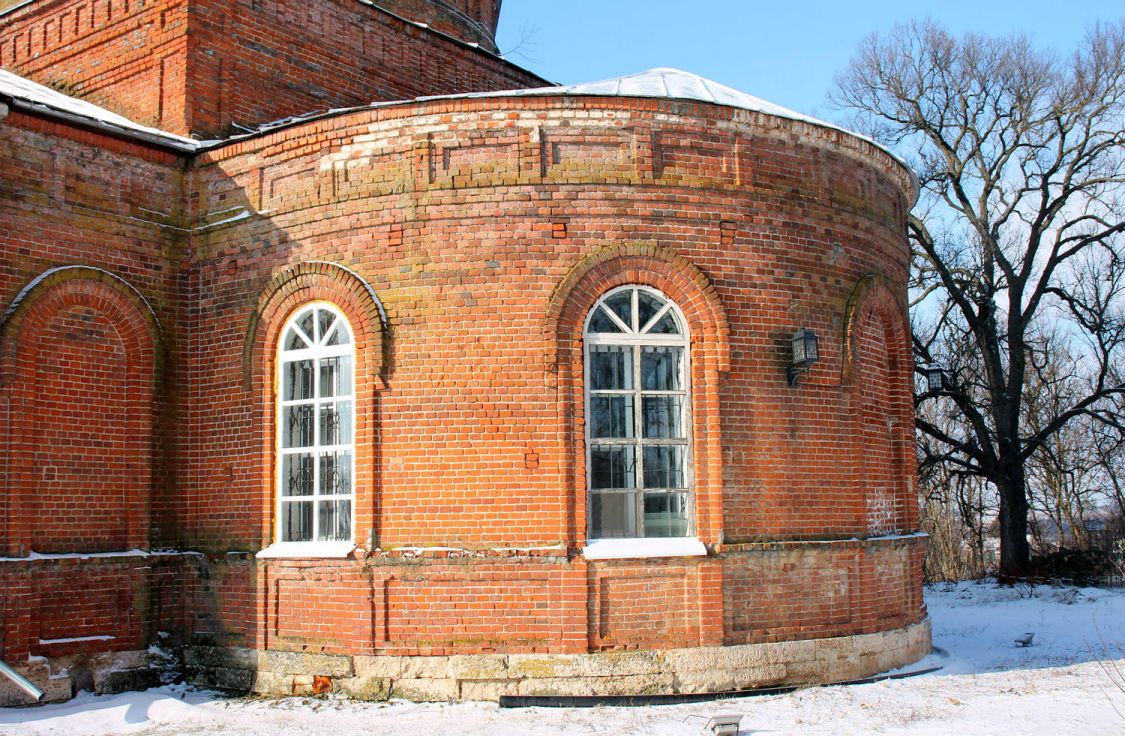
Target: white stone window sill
x,y
307,550
618,549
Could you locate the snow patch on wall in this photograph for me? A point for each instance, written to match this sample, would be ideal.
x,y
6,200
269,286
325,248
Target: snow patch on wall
x,y
880,512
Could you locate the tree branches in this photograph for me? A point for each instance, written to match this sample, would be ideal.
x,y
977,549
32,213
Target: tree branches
x,y
1019,236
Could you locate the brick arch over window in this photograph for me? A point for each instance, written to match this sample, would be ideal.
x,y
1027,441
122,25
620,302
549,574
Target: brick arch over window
x,y
307,282
80,362
681,281
878,372
285,293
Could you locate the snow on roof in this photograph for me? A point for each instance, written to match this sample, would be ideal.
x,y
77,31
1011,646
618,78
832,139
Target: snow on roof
x,y
29,95
667,83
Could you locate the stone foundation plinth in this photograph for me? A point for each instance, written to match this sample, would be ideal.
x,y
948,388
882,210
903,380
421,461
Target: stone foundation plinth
x,y
488,676
111,672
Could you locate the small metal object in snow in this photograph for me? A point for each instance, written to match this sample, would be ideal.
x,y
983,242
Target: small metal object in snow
x,y
1025,640
724,725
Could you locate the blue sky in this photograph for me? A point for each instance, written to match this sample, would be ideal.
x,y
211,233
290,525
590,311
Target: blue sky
x,y
784,52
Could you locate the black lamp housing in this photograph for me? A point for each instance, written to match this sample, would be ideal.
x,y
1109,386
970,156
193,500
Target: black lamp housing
x,y
805,353
937,381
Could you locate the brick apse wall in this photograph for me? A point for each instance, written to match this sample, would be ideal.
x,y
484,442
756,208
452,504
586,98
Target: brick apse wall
x,y
465,240
483,230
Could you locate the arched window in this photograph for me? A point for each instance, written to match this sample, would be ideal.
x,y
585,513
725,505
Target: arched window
x,y
316,427
638,406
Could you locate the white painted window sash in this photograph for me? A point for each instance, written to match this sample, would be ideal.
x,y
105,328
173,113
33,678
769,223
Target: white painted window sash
x,y
316,352
634,336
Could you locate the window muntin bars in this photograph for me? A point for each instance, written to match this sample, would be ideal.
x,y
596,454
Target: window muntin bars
x,y
316,427
638,406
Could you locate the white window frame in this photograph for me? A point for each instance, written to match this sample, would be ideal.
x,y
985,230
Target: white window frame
x,y
318,351
634,335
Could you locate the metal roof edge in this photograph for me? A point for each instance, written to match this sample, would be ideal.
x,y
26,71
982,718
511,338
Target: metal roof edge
x,y
17,6
165,141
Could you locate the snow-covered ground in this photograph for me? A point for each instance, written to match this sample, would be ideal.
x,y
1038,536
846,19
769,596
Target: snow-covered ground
x,y
1064,683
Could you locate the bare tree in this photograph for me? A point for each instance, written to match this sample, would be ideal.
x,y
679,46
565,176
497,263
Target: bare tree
x,y
956,506
1017,236
955,513
1065,476
1109,454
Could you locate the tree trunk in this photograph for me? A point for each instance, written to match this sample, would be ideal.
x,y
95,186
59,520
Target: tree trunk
x,y
1015,554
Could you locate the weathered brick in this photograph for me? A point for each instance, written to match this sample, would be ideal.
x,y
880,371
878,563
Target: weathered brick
x,y
202,66
143,295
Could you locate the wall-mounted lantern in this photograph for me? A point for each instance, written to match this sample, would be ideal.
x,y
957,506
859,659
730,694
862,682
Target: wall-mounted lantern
x,y
937,380
805,353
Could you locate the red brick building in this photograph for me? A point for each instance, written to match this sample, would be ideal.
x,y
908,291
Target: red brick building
x,y
326,363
